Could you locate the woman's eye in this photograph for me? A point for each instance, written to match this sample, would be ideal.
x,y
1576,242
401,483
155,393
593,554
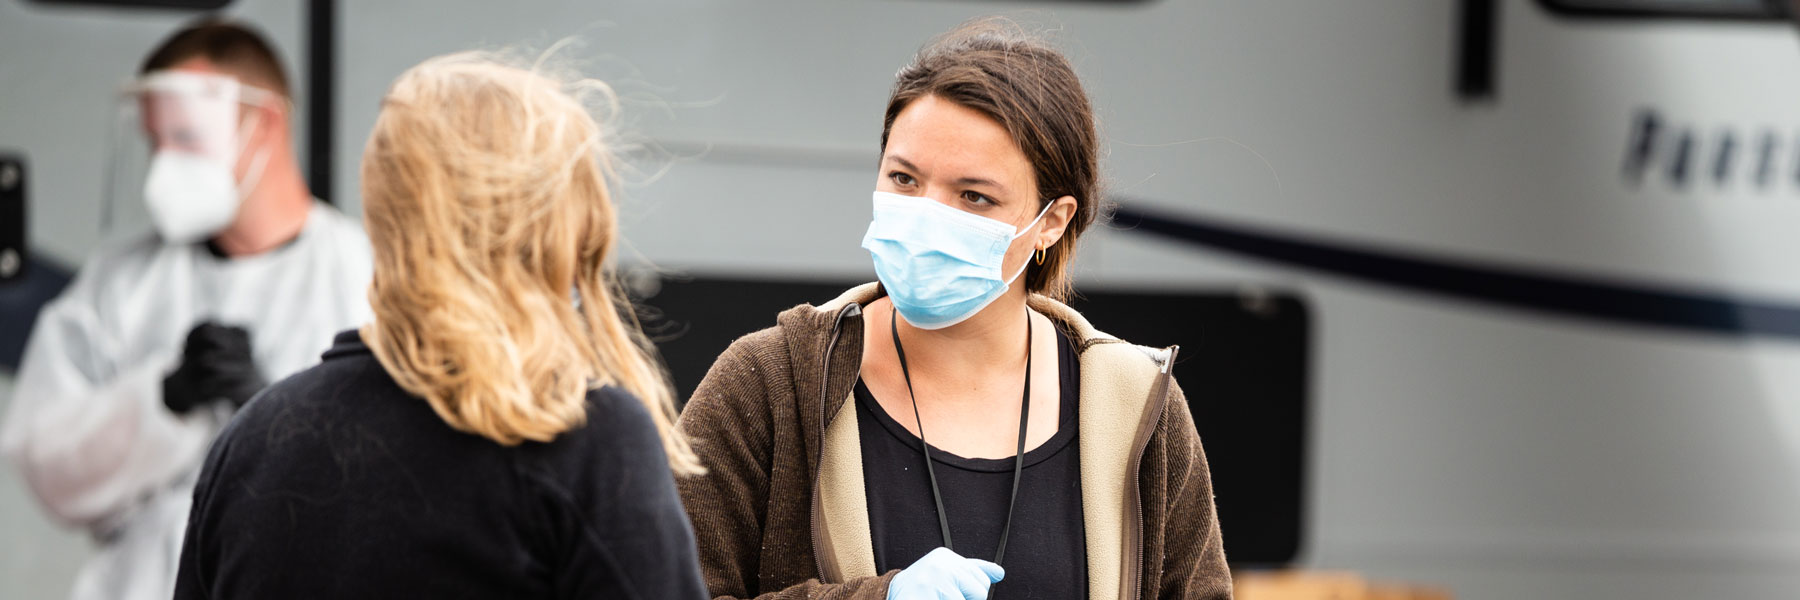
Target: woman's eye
x,y
900,179
977,198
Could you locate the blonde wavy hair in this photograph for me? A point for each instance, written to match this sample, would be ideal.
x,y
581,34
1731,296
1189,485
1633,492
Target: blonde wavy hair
x,y
485,197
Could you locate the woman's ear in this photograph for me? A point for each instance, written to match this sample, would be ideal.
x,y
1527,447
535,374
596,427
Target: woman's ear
x,y
1056,221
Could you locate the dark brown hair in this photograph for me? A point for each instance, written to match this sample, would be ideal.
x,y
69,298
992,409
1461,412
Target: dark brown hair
x,y
235,48
993,66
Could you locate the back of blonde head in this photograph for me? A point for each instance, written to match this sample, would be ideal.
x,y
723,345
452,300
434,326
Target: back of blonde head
x,y
485,196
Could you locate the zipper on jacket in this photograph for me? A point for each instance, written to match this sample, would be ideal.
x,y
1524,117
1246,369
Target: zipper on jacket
x,y
1159,397
852,310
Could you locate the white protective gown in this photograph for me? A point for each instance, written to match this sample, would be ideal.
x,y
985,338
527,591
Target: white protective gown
x,y
87,426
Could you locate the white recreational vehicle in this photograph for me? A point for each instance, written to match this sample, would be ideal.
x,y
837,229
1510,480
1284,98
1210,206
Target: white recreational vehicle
x,y
1508,291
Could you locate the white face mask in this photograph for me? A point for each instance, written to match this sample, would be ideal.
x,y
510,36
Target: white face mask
x,y
190,197
191,193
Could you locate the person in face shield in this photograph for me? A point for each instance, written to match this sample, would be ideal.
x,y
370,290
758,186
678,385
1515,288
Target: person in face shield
x,y
129,375
954,430
490,434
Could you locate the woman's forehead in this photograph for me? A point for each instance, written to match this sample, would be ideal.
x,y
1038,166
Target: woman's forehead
x,y
950,141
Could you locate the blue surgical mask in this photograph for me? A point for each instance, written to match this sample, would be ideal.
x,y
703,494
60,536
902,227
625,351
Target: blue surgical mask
x,y
938,264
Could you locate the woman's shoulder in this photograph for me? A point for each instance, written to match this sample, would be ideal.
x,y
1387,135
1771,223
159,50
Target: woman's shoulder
x,y
339,414
329,392
617,436
1117,353
1100,350
615,417
767,347
750,365
615,413
599,474
1121,382
1121,377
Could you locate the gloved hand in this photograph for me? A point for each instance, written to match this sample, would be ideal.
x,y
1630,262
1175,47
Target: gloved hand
x,y
215,367
943,575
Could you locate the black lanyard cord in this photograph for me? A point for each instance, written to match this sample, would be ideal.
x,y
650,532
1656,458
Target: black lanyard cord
x,y
1018,456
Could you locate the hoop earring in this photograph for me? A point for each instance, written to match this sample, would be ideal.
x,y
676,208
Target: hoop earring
x,y
1040,256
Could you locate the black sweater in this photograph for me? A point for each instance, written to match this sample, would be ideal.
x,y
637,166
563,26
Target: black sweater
x,y
336,483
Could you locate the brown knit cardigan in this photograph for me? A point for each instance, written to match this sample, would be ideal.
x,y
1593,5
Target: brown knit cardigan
x,y
781,512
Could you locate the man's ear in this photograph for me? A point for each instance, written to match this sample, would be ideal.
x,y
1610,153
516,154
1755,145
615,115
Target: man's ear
x,y
270,120
262,126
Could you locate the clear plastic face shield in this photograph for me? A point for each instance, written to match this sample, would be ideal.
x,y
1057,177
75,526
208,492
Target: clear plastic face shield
x,y
181,145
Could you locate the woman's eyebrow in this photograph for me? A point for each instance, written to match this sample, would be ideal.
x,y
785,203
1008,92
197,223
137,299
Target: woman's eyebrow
x,y
907,164
904,164
980,181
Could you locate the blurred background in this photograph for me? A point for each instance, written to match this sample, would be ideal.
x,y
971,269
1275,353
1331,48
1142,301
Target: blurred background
x,y
1495,297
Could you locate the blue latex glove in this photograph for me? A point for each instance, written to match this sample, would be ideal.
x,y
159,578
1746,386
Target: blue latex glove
x,y
945,575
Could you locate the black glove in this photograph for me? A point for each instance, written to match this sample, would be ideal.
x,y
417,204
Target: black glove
x,y
215,367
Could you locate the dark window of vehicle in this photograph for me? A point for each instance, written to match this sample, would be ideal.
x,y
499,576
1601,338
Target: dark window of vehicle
x,y
1744,10
189,4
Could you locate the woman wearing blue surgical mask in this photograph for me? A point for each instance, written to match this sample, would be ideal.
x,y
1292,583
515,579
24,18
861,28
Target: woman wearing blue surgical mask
x,y
954,430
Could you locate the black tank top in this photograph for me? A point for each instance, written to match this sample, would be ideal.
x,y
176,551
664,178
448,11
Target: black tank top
x,y
1046,556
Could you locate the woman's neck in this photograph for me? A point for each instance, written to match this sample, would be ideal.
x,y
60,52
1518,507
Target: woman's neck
x,y
993,339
